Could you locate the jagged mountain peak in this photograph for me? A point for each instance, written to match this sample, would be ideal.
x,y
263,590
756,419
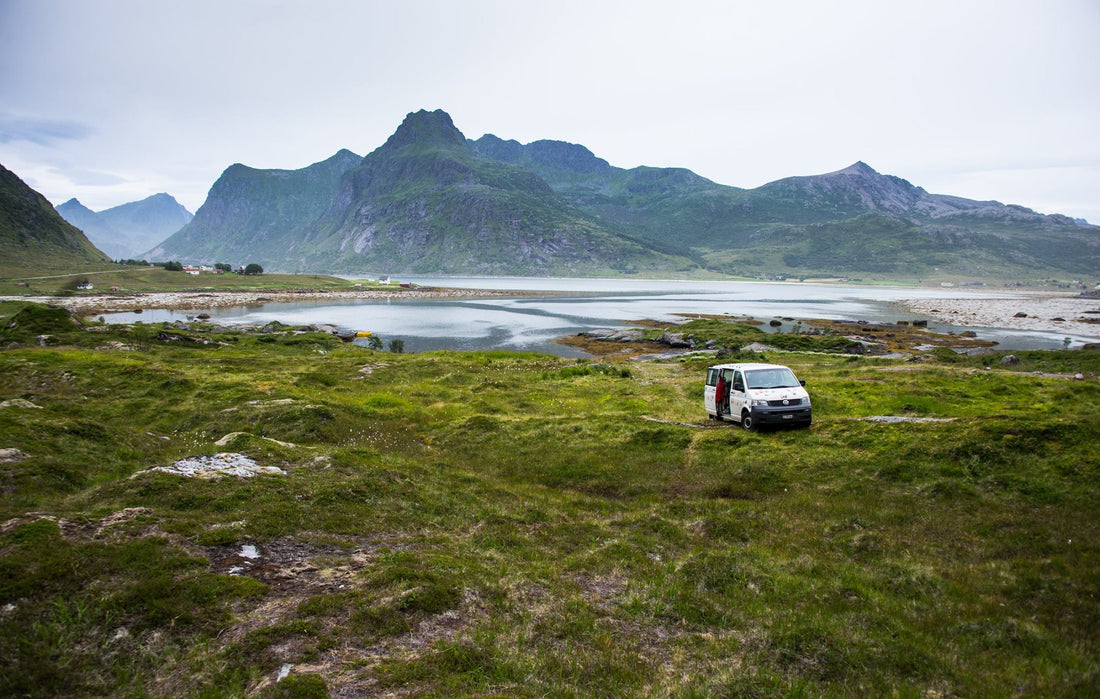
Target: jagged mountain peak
x,y
426,128
543,154
857,168
74,212
79,215
856,188
344,154
341,160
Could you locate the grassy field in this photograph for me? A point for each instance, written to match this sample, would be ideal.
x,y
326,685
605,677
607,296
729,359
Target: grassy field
x,y
515,524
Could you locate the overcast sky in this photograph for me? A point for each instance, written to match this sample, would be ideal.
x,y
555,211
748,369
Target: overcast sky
x,y
111,101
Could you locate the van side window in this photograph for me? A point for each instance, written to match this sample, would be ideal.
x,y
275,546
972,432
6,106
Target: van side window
x,y
738,382
712,377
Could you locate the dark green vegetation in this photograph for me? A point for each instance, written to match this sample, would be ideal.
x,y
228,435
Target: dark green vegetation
x,y
33,236
499,523
431,201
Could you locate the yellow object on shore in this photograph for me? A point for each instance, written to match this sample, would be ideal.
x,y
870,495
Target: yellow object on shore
x,y
363,333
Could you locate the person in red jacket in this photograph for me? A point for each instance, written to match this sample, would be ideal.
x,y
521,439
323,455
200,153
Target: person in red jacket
x,y
720,396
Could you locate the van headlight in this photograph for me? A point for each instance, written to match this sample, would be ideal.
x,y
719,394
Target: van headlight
x,y
759,402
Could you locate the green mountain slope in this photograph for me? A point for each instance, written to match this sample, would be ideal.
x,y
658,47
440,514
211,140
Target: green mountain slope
x,y
253,215
425,201
853,221
34,238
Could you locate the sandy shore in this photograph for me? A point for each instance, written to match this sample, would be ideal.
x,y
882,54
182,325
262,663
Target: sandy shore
x,y
1054,313
90,304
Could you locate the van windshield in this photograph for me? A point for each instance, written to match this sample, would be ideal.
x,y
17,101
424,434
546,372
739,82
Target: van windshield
x,y
771,378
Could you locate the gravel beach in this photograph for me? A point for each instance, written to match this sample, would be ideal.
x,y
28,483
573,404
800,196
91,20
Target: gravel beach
x,y
1041,312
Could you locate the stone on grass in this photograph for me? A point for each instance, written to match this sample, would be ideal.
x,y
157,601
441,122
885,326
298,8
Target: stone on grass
x,y
218,465
12,455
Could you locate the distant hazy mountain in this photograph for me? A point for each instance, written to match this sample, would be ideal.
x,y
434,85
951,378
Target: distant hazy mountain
x,y
127,230
431,201
34,239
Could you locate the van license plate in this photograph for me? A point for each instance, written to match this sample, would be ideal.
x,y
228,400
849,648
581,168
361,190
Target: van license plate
x,y
788,417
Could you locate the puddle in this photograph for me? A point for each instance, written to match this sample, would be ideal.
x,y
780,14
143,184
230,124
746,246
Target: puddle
x,y
249,553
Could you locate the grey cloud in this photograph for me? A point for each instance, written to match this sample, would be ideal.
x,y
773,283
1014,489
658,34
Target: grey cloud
x,y
43,132
89,178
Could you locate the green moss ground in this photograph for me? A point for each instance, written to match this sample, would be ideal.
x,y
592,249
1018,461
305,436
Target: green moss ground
x,y
517,524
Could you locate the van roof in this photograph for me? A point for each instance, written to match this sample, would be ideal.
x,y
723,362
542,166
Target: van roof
x,y
748,366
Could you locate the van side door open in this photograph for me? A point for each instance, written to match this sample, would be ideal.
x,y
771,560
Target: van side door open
x,y
709,402
738,399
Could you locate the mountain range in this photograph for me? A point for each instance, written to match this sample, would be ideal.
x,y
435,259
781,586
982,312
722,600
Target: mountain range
x,y
431,201
33,236
126,231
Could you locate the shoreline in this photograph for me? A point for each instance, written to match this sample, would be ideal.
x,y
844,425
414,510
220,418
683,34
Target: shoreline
x,y
1044,312
92,304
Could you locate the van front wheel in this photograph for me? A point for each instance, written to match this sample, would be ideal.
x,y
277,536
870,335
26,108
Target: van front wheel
x,y
747,422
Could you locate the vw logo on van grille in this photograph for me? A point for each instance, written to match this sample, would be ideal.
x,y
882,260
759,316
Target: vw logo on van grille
x,y
785,401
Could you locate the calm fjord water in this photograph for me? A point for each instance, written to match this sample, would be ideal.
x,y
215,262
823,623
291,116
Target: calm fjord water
x,y
569,306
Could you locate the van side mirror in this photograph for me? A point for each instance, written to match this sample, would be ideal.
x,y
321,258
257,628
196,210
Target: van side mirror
x,y
802,382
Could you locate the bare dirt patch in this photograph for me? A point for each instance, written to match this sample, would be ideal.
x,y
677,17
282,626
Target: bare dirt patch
x,y
292,566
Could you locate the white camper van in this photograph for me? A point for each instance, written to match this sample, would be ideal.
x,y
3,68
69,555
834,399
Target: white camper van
x,y
756,395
